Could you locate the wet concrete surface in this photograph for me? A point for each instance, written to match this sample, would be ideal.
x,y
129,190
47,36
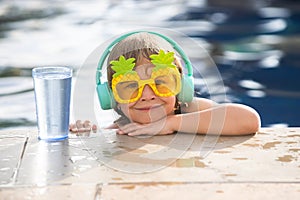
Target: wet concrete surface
x,y
104,165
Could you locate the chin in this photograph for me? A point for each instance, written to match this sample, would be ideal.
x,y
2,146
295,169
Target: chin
x,y
147,119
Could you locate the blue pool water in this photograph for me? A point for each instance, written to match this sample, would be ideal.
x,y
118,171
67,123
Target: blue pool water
x,y
255,45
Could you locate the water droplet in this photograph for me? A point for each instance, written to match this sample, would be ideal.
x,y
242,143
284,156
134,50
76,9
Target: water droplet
x,y
4,169
76,158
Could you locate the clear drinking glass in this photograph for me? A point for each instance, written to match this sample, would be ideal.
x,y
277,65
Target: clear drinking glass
x,y
52,89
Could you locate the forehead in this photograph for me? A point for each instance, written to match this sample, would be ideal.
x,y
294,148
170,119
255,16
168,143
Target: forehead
x,y
144,68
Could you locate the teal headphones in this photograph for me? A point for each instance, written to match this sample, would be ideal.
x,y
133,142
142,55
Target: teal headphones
x,y
104,92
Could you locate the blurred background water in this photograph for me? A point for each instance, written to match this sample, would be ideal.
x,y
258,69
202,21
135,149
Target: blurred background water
x,y
254,43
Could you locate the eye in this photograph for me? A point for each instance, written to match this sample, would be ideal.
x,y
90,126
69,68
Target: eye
x,y
159,82
127,85
131,85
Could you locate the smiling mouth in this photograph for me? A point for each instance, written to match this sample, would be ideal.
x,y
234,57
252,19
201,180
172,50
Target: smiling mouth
x,y
148,108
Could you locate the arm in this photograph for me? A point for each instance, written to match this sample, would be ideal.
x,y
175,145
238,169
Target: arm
x,y
202,116
206,117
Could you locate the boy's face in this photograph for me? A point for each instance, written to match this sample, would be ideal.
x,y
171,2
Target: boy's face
x,y
149,108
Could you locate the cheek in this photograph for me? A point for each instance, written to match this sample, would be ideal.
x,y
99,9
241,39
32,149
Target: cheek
x,y
170,104
126,108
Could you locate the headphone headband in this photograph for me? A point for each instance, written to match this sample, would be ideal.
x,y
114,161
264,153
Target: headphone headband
x,y
172,42
105,95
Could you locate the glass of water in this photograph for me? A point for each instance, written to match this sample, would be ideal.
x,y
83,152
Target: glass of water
x,y
52,89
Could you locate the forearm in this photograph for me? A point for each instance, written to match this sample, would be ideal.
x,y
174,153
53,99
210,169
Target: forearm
x,y
227,119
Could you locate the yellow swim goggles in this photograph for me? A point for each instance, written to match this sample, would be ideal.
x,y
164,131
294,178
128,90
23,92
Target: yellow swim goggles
x,y
165,80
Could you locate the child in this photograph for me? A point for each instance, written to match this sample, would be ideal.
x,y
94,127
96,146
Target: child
x,y
144,75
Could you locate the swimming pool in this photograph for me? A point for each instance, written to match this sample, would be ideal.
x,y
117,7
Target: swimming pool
x,y
255,46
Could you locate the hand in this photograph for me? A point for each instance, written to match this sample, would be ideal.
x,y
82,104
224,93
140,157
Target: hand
x,y
82,128
161,127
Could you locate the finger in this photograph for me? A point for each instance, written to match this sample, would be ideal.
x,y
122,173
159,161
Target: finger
x,y
79,124
136,130
87,125
74,130
136,133
94,128
120,132
71,126
129,127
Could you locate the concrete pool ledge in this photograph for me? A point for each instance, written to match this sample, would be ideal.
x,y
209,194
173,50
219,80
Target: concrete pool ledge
x,y
104,165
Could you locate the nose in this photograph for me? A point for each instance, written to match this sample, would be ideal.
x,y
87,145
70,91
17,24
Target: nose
x,y
148,94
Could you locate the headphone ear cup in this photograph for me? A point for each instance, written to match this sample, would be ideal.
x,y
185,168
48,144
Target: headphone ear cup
x,y
105,96
187,89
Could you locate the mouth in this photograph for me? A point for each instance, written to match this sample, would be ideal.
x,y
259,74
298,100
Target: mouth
x,y
148,108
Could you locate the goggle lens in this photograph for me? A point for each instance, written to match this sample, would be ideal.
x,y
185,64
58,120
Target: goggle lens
x,y
128,90
166,85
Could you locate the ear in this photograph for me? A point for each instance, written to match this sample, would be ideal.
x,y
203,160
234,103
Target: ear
x,y
105,96
187,89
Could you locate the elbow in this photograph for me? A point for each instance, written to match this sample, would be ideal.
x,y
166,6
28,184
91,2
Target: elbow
x,y
253,122
247,120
